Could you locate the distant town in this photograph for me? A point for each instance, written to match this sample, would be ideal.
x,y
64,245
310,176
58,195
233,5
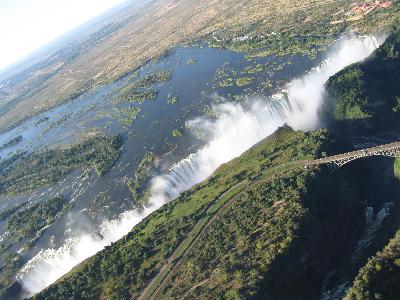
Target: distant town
x,y
359,10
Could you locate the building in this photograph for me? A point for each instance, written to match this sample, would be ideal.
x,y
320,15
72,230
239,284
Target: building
x,y
366,8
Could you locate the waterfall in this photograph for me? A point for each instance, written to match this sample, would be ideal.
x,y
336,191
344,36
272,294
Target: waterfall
x,y
236,129
372,224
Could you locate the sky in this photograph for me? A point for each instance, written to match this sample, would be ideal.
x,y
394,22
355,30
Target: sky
x,y
27,25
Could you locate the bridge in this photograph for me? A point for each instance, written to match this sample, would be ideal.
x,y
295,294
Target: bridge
x,y
337,161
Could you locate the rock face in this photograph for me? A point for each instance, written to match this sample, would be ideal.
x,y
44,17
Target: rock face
x,y
365,97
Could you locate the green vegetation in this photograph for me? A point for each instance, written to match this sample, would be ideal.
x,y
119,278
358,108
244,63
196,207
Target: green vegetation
x,y
298,37
57,123
367,94
297,31
161,56
172,99
126,116
249,215
177,133
228,76
224,76
28,224
244,81
226,82
192,239
133,76
138,184
9,266
140,90
380,277
287,44
236,251
152,78
396,167
8,212
266,84
140,97
98,205
41,120
352,103
44,168
11,143
254,69
30,221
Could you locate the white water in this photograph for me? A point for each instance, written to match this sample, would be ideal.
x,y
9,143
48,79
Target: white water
x,y
235,130
373,222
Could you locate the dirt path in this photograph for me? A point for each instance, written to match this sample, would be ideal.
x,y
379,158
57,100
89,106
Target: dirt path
x,y
154,288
